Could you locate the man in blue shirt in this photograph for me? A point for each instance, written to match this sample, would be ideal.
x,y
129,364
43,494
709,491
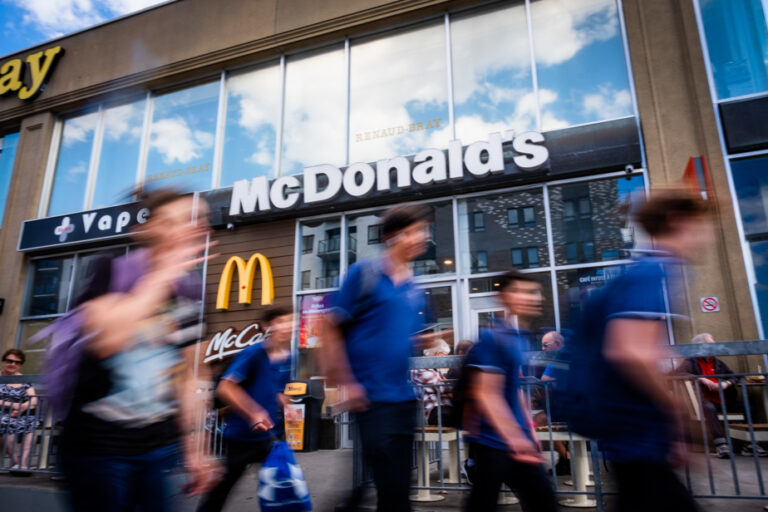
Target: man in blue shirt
x,y
622,398
368,340
252,386
499,426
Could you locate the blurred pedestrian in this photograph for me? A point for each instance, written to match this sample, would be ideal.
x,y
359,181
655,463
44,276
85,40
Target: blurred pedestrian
x,y
252,386
622,397
369,337
17,412
131,416
505,449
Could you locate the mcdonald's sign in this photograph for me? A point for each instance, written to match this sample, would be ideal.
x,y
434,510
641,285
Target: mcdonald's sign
x,y
245,275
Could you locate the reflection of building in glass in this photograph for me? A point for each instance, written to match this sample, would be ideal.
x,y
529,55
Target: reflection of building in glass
x,y
320,255
514,232
587,222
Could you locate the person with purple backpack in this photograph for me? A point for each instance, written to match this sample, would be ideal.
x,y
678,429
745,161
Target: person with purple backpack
x,y
127,412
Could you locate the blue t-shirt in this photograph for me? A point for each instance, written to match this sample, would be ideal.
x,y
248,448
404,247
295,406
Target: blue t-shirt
x,y
497,351
378,338
632,427
262,381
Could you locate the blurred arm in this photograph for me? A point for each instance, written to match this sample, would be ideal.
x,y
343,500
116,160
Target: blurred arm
x,y
487,390
632,345
234,395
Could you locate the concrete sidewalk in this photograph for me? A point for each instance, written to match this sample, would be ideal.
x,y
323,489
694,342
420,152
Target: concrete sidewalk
x,y
329,475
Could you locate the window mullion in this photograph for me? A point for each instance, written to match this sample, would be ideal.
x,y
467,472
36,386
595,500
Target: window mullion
x,y
90,184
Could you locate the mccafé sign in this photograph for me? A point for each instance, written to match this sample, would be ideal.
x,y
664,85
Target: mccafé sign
x,y
228,342
40,66
246,272
323,183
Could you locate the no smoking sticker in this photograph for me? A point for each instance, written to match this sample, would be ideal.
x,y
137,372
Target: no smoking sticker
x,y
709,304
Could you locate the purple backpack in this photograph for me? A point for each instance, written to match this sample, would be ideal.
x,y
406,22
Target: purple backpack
x,y
67,339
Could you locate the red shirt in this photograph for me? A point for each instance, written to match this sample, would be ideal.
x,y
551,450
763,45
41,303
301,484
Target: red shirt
x,y
707,366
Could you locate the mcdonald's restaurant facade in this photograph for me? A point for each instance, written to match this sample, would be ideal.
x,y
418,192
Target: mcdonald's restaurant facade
x,y
526,125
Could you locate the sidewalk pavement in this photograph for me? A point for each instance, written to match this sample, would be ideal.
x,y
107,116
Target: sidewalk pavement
x,y
329,475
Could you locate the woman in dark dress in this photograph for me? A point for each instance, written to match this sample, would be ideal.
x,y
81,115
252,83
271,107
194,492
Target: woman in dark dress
x,y
17,404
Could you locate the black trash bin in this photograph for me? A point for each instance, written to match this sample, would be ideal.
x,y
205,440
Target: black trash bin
x,y
306,398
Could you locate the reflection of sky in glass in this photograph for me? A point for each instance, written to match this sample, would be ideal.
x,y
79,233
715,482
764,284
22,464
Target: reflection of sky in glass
x,y
72,166
760,261
181,139
399,98
253,109
7,155
119,154
579,62
737,39
315,109
750,178
492,83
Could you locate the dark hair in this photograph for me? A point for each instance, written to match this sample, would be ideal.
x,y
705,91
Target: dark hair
x,y
401,216
656,213
275,311
15,352
463,347
513,276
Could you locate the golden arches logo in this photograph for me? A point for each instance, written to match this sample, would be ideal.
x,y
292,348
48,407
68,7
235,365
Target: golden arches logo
x,y
245,275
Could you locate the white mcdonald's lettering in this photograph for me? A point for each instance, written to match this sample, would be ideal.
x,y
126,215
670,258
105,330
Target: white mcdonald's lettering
x,y
323,183
226,343
245,275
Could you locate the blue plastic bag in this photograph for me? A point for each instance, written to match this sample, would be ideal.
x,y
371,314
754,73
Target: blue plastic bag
x,y
281,482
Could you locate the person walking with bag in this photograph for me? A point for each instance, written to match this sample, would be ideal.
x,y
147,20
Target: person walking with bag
x,y
252,386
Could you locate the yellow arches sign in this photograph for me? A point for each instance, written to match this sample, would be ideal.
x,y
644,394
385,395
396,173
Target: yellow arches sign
x,y
245,275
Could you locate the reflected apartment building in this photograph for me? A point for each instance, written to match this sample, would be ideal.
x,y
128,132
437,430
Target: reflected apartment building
x,y
526,125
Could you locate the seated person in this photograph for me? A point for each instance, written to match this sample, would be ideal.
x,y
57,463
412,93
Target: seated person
x,y
429,380
551,342
704,368
462,349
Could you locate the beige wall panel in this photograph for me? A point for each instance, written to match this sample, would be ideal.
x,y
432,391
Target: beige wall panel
x,y
678,122
21,204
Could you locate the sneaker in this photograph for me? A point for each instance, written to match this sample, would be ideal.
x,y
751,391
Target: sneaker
x,y
722,451
747,451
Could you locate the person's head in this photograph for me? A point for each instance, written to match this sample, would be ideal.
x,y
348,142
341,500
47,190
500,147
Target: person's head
x,y
679,221
704,337
464,347
439,348
173,218
521,295
552,341
278,319
405,230
12,360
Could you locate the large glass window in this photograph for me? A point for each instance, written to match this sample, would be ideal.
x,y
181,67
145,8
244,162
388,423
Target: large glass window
x,y
53,284
580,65
7,156
315,111
587,220
321,265
750,176
492,80
253,111
399,94
441,252
575,286
119,155
737,40
181,139
73,164
514,222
